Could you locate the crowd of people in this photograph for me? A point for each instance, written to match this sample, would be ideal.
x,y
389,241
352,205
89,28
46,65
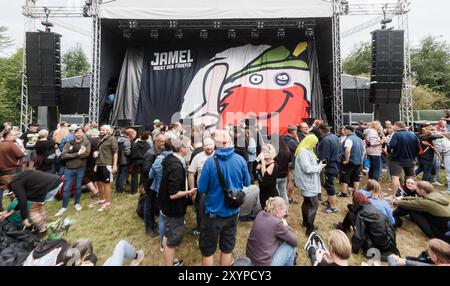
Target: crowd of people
x,y
172,167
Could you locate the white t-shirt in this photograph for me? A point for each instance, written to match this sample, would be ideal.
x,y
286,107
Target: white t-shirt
x,y
198,162
348,144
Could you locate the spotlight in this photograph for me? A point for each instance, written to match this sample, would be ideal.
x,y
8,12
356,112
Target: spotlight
x,y
126,34
154,34
179,34
309,33
203,34
254,34
281,33
232,34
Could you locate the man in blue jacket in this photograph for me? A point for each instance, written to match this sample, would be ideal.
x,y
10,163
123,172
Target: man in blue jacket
x,y
404,148
328,150
220,222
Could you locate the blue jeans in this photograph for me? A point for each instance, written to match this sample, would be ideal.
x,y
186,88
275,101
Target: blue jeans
x,y
122,176
375,167
281,186
161,227
425,166
123,250
284,255
436,169
78,174
51,195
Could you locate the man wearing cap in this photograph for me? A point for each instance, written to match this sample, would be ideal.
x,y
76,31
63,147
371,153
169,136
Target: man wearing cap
x,y
219,223
328,151
352,154
30,137
172,196
292,140
195,169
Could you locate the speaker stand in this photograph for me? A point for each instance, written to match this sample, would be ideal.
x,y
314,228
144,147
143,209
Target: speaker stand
x,y
48,117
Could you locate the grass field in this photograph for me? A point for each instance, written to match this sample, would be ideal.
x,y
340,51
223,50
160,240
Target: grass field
x,y
121,222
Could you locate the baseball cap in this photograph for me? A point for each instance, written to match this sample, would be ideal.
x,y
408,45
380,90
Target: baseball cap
x,y
208,142
349,127
73,127
156,121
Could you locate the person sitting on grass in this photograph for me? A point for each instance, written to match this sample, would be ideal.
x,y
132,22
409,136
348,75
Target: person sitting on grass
x,y
81,253
339,251
408,189
375,195
430,211
271,241
370,226
438,254
11,215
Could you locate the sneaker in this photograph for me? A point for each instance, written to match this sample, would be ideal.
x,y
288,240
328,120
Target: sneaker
x,y
342,195
161,247
97,203
325,203
78,207
436,183
309,241
61,211
330,210
104,207
178,262
292,201
152,233
138,259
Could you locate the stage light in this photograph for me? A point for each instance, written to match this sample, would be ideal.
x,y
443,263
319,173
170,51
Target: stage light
x,y
254,34
179,34
126,34
281,33
154,34
203,34
309,33
231,34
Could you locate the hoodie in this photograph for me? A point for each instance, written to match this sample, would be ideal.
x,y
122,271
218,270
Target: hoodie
x,y
235,172
434,203
124,150
173,181
373,142
138,151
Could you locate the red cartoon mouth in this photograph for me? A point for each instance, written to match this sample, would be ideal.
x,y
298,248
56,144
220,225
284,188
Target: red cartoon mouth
x,y
243,102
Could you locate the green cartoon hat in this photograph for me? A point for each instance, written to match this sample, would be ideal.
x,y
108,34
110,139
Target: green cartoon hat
x,y
276,58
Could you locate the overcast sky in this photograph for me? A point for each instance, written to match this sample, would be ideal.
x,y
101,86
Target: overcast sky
x,y
427,17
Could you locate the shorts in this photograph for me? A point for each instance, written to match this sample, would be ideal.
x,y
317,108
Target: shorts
x,y
213,230
173,230
396,168
89,175
103,174
29,156
329,184
349,174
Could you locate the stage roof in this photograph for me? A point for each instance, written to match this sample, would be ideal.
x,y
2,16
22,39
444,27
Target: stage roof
x,y
215,9
354,82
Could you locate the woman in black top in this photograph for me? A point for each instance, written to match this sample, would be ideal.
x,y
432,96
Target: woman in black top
x,y
268,173
45,153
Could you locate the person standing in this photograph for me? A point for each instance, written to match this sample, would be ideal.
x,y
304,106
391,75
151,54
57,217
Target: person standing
x,y
404,147
352,157
106,165
292,141
172,196
75,155
125,143
138,150
30,137
268,173
282,160
45,153
220,222
373,148
328,151
307,178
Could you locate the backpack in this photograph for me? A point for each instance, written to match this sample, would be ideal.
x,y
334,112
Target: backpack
x,y
140,206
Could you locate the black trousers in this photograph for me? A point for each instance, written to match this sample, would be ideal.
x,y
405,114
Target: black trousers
x,y
309,211
137,176
431,226
349,219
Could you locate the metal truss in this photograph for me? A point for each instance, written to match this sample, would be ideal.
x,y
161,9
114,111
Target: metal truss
x,y
338,106
94,95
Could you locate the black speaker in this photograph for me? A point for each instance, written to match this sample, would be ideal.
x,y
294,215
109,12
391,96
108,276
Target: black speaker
x,y
43,58
387,66
124,123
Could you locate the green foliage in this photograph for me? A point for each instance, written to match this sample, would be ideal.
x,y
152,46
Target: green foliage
x,y
430,64
75,63
425,98
5,41
10,83
358,63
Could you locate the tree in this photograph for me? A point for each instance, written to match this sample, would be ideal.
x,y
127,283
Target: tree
x,y
5,41
75,62
358,63
424,98
10,83
430,64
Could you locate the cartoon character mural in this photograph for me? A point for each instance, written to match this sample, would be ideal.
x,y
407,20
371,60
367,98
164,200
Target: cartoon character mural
x,y
270,84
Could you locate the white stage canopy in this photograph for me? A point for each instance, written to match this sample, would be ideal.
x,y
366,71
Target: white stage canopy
x,y
215,9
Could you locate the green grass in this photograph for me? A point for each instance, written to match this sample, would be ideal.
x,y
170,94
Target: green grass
x,y
121,222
